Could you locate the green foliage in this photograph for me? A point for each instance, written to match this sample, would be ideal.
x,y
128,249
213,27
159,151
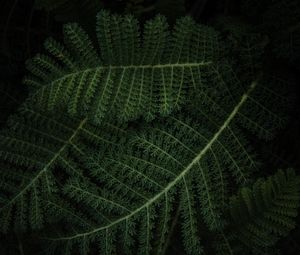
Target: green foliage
x,y
162,161
175,157
33,147
116,142
131,77
264,213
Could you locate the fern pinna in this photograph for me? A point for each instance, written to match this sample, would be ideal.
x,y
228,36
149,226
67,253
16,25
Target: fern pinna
x,y
86,183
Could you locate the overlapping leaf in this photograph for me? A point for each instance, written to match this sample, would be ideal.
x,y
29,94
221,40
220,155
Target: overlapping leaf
x,y
138,71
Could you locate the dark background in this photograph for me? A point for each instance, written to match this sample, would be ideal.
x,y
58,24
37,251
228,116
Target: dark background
x,y
25,24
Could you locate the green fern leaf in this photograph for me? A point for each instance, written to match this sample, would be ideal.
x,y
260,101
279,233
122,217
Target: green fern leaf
x,y
137,186
137,73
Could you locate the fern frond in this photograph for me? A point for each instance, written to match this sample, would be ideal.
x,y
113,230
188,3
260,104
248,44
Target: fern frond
x,y
176,158
137,186
33,146
137,73
265,212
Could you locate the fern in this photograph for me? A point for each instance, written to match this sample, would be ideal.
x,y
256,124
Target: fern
x,y
32,147
264,213
138,186
131,76
78,169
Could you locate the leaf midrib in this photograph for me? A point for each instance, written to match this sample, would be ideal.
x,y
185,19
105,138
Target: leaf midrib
x,y
111,67
179,177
